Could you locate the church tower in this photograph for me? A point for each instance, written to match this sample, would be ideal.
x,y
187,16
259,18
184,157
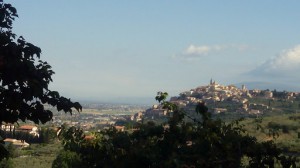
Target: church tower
x,y
244,87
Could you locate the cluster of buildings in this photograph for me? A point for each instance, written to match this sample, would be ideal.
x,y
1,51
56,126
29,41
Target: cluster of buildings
x,y
212,93
217,97
27,129
95,118
30,129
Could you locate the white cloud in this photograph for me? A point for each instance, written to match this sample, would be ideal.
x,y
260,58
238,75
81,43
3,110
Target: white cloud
x,y
197,51
289,59
204,49
286,64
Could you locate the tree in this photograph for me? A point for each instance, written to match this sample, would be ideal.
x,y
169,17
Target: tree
x,y
47,135
204,142
6,163
67,159
24,77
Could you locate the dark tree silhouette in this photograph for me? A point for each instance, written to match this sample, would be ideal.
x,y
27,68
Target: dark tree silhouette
x,y
24,77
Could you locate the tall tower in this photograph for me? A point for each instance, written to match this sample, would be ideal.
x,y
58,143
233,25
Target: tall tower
x,y
211,82
244,88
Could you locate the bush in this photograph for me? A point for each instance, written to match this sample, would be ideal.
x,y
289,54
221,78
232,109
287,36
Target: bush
x,y
285,128
67,159
274,125
6,163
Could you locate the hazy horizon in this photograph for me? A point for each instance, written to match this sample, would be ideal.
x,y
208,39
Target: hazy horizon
x,y
151,99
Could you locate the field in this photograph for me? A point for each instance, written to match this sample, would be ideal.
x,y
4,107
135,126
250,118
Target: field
x,y
37,155
284,130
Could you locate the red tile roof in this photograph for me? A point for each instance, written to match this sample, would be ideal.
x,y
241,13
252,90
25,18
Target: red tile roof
x,y
89,137
26,127
9,140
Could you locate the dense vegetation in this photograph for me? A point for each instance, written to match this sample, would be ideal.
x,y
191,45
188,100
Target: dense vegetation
x,y
202,143
35,156
285,129
42,155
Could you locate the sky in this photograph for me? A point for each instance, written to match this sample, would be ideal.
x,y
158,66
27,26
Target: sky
x,y
114,51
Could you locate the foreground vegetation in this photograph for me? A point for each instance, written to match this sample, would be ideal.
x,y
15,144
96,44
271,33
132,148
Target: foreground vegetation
x,y
37,155
282,130
203,143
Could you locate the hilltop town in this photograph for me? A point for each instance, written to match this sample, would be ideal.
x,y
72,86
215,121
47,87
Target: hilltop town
x,y
227,99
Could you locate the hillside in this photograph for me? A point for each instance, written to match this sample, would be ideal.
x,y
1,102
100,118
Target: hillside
x,y
232,101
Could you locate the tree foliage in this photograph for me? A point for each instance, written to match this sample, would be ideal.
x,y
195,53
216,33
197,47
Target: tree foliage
x,y
47,135
6,163
24,77
205,142
66,159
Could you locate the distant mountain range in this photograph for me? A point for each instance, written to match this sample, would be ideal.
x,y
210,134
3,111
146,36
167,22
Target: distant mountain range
x,y
270,86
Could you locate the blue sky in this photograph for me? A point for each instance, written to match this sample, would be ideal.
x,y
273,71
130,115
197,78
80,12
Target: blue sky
x,y
113,50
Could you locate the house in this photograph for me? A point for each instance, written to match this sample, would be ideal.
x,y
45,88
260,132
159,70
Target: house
x,y
15,142
89,137
120,128
219,110
137,117
7,127
252,111
31,129
268,94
